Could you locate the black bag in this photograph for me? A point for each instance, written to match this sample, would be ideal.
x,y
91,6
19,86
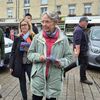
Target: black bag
x,y
14,74
15,63
17,69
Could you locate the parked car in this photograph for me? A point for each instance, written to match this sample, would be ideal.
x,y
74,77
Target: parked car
x,y
70,37
94,46
8,47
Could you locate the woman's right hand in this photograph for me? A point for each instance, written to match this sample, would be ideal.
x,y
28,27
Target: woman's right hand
x,y
76,53
42,58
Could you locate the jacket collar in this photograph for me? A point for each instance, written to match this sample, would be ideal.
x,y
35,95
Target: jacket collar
x,y
42,39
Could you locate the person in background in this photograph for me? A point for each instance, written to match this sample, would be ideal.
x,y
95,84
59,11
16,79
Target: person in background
x,y
7,32
80,46
48,58
29,18
2,49
12,33
19,64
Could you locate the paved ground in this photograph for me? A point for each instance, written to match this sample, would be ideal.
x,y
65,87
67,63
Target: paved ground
x,y
72,88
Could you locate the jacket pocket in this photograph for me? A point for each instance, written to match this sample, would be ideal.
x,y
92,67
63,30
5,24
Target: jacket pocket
x,y
33,72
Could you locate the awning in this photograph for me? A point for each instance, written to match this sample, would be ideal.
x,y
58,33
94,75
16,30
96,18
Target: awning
x,y
75,20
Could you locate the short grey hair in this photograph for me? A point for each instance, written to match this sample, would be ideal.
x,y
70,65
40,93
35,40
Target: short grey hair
x,y
52,15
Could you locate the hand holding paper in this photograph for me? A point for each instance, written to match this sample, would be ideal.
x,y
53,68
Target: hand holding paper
x,y
24,46
53,60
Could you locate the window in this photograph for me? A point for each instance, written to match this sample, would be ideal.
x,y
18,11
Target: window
x,y
58,7
10,12
26,11
26,2
44,1
43,9
87,8
72,9
10,1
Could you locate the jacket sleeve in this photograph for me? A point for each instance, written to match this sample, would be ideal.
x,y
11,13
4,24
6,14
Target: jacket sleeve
x,y
77,37
2,44
32,54
12,57
67,58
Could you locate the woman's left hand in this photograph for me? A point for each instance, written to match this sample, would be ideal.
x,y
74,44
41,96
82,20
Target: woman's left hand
x,y
57,63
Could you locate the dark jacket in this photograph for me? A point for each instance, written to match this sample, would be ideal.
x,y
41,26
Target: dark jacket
x,y
16,59
1,44
80,38
35,29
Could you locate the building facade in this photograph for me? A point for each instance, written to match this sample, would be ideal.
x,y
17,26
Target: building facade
x,y
14,10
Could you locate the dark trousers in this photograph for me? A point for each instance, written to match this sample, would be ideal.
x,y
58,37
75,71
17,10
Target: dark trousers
x,y
34,97
83,61
22,80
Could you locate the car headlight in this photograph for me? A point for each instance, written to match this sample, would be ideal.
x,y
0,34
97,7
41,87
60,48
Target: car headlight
x,y
95,50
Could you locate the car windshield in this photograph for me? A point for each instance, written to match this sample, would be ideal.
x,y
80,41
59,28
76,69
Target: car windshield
x,y
96,34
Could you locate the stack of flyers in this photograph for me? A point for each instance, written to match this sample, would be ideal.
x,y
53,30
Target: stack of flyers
x,y
23,45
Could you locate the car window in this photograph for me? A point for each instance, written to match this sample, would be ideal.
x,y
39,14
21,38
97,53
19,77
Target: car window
x,y
95,34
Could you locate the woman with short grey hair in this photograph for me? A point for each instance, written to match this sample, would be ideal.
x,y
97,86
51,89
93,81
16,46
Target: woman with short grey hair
x,y
50,53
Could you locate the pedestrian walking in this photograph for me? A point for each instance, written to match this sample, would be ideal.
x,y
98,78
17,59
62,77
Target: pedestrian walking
x,y
2,49
50,53
7,32
28,17
19,64
80,39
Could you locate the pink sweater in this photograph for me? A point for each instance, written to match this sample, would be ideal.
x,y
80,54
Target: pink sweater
x,y
49,42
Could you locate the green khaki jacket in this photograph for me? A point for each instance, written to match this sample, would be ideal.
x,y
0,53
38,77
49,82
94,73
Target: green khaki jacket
x,y
50,87
1,44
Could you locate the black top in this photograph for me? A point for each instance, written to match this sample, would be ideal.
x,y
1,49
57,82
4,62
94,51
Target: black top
x,y
35,29
80,38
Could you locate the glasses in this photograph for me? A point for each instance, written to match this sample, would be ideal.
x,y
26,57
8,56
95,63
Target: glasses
x,y
24,24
